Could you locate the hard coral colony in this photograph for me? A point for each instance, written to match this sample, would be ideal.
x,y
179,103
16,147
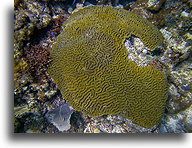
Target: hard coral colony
x,y
91,68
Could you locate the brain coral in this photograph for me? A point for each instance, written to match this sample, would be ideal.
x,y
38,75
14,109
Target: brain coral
x,y
91,68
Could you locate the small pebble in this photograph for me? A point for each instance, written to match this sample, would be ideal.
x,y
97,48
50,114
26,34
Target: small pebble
x,y
184,14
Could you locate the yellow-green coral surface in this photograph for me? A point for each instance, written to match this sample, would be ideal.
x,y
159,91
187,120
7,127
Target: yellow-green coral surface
x,y
91,68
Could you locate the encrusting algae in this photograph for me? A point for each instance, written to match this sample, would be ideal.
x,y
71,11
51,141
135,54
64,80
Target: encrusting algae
x,y
91,68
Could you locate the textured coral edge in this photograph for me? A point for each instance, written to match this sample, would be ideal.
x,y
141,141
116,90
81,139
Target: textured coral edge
x,y
150,46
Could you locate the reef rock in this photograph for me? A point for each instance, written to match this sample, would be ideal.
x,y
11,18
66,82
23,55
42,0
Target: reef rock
x,y
60,117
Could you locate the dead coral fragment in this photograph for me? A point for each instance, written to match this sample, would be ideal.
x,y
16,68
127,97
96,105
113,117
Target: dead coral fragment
x,y
91,68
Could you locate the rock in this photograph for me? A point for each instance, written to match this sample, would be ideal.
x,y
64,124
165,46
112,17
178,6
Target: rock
x,y
185,14
60,117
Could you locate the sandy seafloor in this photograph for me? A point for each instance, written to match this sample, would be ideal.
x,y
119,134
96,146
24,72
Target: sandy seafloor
x,y
38,101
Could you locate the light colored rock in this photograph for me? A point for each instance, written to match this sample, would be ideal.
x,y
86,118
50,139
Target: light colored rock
x,y
185,14
60,117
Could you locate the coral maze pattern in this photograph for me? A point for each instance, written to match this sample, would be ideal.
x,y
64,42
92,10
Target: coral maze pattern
x,y
91,68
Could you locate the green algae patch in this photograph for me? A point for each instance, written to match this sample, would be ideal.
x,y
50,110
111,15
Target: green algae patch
x,y
91,68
